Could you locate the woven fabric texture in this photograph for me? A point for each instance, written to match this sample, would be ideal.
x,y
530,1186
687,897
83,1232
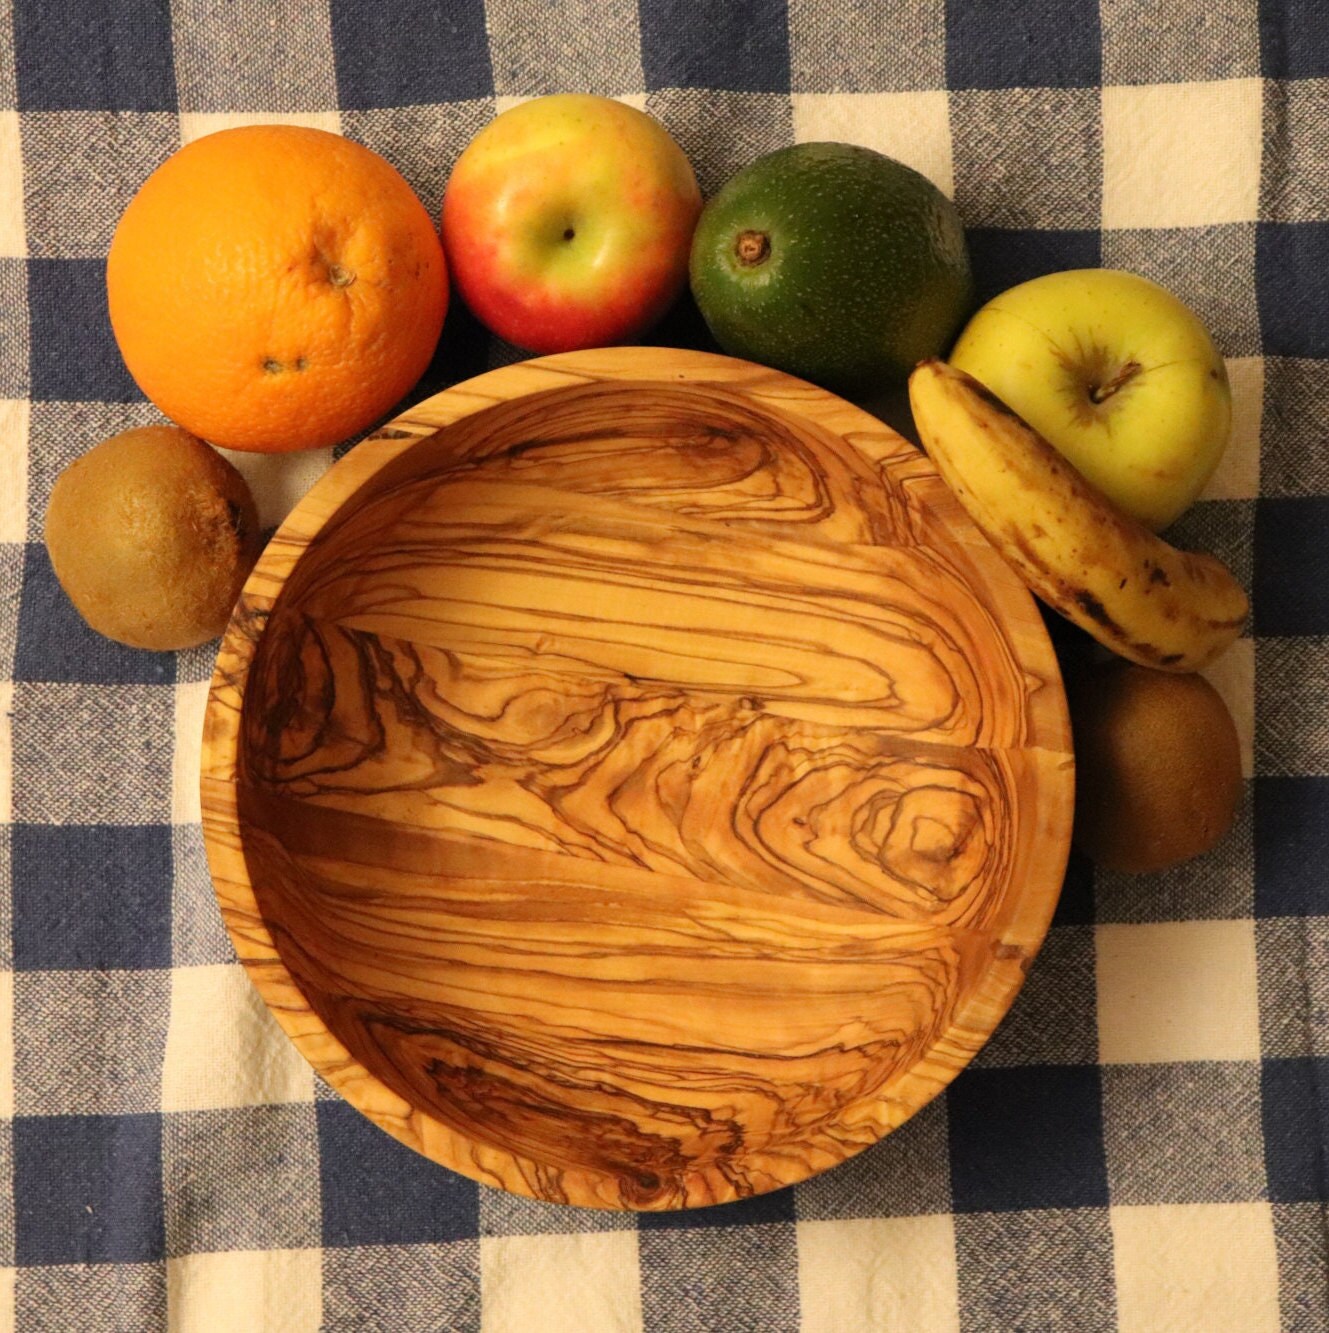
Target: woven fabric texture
x,y
1145,1143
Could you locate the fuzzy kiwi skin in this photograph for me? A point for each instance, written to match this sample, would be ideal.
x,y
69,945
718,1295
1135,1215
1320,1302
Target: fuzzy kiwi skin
x,y
1158,766
152,534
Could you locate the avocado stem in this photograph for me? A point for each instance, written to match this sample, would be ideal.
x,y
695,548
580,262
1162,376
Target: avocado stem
x,y
1099,393
752,248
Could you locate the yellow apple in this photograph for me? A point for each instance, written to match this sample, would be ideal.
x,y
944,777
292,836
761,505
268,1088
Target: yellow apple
x,y
1117,374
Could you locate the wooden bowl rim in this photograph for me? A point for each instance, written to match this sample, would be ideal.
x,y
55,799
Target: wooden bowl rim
x,y
971,1025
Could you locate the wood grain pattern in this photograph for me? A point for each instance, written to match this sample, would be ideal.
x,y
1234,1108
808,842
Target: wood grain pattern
x,y
631,782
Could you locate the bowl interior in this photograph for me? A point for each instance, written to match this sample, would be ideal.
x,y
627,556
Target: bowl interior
x,y
646,789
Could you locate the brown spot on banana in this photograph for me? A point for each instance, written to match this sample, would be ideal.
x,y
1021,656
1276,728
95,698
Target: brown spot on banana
x,y
1146,654
1096,611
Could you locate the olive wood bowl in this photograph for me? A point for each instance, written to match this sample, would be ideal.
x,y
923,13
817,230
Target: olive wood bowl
x,y
631,781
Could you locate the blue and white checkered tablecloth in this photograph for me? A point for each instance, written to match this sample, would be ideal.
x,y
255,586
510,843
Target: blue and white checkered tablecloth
x,y
1145,1143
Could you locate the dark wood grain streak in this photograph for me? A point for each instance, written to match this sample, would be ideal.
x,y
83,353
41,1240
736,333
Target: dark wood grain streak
x,y
630,783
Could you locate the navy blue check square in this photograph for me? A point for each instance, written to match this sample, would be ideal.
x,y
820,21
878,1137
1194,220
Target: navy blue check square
x,y
74,356
1003,257
1291,583
738,45
1292,282
1295,1096
91,896
376,1191
1028,1137
1023,44
1294,39
463,351
1075,907
87,1189
85,55
56,644
410,52
1292,846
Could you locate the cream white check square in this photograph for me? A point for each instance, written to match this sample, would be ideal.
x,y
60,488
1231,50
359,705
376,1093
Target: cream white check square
x,y
878,1273
191,701
223,1047
15,415
279,481
13,233
1237,476
246,1291
1232,674
565,1283
8,1282
914,128
195,124
1183,990
1182,1268
1182,154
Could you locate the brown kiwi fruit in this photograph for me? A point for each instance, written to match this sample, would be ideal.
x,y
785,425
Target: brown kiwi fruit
x,y
152,534
1158,766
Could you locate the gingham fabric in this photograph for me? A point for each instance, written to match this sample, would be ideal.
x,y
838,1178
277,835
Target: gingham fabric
x,y
1145,1143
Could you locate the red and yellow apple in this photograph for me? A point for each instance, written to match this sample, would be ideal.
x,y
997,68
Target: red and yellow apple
x,y
567,222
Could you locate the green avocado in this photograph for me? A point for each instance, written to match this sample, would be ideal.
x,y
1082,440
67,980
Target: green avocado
x,y
832,262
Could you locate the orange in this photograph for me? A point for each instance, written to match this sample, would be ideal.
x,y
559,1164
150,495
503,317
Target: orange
x,y
276,288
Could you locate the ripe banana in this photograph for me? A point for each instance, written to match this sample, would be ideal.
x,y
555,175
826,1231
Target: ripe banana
x,y
1138,596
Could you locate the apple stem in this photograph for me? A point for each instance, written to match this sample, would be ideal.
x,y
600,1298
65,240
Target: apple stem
x,y
1100,393
752,248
